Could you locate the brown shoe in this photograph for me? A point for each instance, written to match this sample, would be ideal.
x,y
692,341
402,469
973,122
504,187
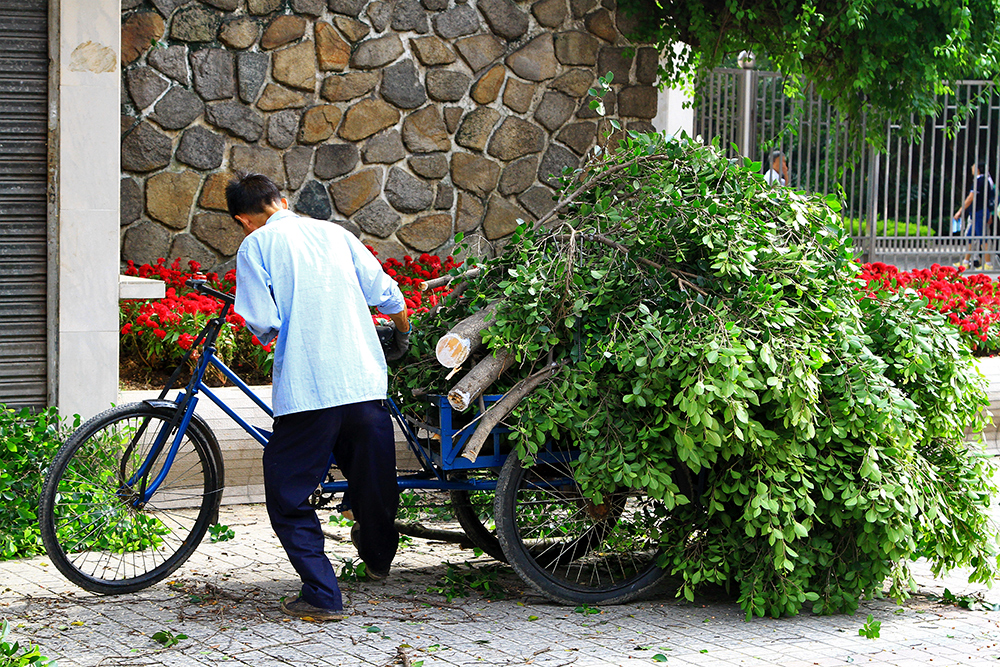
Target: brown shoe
x,y
307,612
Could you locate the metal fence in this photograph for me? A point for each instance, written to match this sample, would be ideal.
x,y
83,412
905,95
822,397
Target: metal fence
x,y
899,204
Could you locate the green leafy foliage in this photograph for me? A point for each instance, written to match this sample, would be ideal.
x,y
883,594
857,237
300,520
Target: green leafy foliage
x,y
871,628
15,655
221,533
166,638
28,442
804,439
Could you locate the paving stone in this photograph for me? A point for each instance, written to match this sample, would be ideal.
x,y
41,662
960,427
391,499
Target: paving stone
x,y
555,159
458,21
187,248
262,7
516,138
488,87
377,218
213,192
385,148
237,119
476,128
309,7
504,18
432,166
284,29
260,160
401,85
427,232
581,7
333,160
297,162
637,102
647,61
518,176
474,173
379,13
452,116
377,52
212,71
319,123
145,242
444,197
356,191
610,101
251,71
409,15
139,32
613,59
332,52
430,50
239,33
170,196
554,110
296,66
517,95
536,60
282,128
145,86
195,24
574,47
201,148
470,212
353,29
343,87
447,85
602,24
537,200
145,149
579,136
278,97
348,7
480,51
172,61
131,201
502,217
314,201
406,193
218,231
575,82
550,13
367,117
424,131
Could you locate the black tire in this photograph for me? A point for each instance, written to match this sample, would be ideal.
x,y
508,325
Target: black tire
x,y
91,528
474,512
566,547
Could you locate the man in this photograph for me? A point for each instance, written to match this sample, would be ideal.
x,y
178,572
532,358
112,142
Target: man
x,y
778,173
310,284
980,200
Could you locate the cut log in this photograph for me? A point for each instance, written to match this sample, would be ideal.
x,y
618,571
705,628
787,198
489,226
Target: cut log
x,y
454,347
478,380
446,280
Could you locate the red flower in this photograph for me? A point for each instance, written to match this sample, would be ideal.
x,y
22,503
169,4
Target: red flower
x,y
127,329
184,341
159,333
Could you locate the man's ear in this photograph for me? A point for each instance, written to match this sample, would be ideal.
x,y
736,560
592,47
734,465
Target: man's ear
x,y
244,223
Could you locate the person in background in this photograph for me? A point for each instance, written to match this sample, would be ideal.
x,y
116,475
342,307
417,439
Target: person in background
x,y
778,173
310,283
980,203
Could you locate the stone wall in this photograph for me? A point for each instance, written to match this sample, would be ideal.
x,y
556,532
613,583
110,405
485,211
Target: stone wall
x,y
406,121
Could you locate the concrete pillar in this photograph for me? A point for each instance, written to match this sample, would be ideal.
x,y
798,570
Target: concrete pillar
x,y
674,111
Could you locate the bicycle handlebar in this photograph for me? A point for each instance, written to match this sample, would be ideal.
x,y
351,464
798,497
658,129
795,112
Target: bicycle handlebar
x,y
198,285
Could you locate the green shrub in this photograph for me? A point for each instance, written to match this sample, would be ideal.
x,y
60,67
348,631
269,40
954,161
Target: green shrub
x,y
28,442
856,227
15,655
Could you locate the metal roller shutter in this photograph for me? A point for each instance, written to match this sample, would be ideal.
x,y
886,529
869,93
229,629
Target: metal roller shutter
x,y
24,49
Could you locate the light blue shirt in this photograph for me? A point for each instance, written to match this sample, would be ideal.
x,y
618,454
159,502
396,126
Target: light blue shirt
x,y
311,283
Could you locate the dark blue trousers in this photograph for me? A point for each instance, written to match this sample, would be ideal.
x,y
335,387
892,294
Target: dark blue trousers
x,y
296,458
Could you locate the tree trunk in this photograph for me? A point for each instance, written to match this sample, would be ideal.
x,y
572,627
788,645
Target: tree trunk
x,y
454,347
446,280
478,380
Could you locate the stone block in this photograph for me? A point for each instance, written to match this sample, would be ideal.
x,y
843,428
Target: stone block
x,y
610,101
260,160
452,116
401,85
351,194
314,201
516,138
284,29
480,51
385,148
333,160
536,60
132,203
167,7
444,197
602,24
348,7
554,110
435,5
172,61
431,51
386,248
262,7
187,248
434,165
488,87
251,70
575,47
139,31
145,86
518,176
579,136
213,192
218,231
195,23
517,95
575,82
332,52
239,33
170,196
309,7
504,18
550,13
627,23
476,128
475,173
366,118
556,158
470,212
406,193
457,21
212,71
377,52
474,245
145,242
379,13
295,66
277,97
427,232
145,149
537,201
424,131
282,128
237,119
447,85
353,30
647,61
201,148
409,15
637,102
613,59
343,87
502,218
379,219
297,162
581,7
319,123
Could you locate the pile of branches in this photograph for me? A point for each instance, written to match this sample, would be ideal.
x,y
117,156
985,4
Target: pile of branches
x,y
677,318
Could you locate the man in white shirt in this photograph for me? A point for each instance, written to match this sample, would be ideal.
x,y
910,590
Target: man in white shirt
x,y
310,283
778,173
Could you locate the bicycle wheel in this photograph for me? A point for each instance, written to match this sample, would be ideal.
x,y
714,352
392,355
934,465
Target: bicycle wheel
x,y
474,512
94,526
568,548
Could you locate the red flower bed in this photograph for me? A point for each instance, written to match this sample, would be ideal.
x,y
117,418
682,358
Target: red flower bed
x,y
155,334
970,302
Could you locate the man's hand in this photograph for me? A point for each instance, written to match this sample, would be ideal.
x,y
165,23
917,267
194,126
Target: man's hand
x,y
395,343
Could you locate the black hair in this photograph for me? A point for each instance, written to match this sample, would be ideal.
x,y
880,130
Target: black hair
x,y
250,193
981,166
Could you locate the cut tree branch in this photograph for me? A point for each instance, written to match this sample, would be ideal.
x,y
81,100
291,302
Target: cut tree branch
x,y
447,280
463,339
477,380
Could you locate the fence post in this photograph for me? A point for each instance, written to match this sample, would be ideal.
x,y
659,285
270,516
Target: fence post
x,y
872,213
745,110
